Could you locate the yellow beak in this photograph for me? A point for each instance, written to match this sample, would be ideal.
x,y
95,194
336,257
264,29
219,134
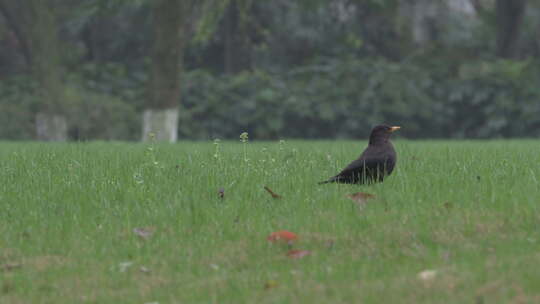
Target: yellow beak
x,y
393,129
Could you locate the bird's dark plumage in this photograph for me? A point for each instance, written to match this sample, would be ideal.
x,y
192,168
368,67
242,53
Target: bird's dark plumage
x,y
376,162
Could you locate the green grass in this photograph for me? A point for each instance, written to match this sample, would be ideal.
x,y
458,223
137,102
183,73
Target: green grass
x,y
467,209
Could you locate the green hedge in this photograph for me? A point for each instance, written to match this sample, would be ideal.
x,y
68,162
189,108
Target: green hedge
x,y
91,114
332,100
345,99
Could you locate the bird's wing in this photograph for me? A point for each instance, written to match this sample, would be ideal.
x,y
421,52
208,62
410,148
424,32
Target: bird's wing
x,y
355,168
360,165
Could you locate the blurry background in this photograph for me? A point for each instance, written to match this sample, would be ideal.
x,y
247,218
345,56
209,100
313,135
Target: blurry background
x,y
203,69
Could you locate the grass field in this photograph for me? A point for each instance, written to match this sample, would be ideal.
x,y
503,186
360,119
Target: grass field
x,y
467,210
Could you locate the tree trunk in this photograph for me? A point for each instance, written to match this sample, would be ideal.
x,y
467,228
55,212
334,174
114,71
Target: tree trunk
x,y
509,16
230,43
50,127
427,19
160,124
12,14
161,114
46,67
421,17
237,56
34,24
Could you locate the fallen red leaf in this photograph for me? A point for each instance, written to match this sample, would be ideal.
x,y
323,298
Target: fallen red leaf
x,y
282,235
298,254
272,193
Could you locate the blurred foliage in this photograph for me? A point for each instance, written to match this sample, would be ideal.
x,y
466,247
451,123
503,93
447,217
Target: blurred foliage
x,y
345,99
306,69
338,99
98,116
91,113
17,108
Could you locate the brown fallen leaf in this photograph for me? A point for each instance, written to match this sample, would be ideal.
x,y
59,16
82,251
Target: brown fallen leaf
x,y
448,205
298,254
144,232
272,193
44,262
270,284
282,235
329,244
221,193
361,198
10,266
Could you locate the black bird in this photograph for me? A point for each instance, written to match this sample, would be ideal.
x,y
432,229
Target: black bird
x,y
376,162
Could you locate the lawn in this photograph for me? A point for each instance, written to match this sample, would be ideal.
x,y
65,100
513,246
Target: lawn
x,y
457,222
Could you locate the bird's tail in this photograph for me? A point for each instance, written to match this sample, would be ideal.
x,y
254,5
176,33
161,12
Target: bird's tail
x,y
333,179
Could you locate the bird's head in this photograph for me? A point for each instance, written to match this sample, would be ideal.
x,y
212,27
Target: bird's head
x,y
381,133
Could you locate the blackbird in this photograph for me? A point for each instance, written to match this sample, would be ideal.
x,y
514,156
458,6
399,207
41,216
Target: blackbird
x,y
375,163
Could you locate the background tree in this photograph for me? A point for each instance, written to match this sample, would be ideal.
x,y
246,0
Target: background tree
x,y
509,14
34,22
174,23
161,113
281,68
